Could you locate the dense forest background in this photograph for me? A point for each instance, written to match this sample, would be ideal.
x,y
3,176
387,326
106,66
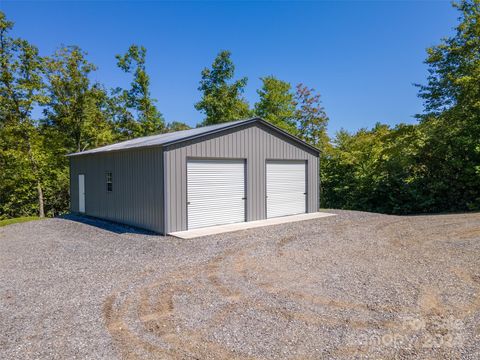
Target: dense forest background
x,y
49,107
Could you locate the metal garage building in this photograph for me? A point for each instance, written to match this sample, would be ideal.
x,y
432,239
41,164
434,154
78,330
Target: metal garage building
x,y
233,172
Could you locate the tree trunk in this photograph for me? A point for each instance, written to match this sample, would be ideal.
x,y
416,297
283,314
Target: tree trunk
x,y
41,210
33,163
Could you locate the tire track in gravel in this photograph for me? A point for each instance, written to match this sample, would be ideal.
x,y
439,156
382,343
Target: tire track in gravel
x,y
159,319
432,229
433,303
309,299
156,315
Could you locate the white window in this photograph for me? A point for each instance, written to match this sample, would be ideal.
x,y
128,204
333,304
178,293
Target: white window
x,y
109,179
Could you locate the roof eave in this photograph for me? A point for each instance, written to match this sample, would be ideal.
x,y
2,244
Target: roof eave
x,y
288,135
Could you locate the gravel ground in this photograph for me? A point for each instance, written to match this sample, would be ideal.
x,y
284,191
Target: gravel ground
x,y
355,285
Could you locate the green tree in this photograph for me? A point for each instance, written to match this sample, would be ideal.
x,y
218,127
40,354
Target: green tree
x,y
311,117
139,115
311,121
374,170
451,121
177,126
22,157
429,167
453,66
276,104
348,174
77,110
222,99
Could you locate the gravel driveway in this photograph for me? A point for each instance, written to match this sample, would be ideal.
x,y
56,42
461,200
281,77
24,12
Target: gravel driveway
x,y
353,285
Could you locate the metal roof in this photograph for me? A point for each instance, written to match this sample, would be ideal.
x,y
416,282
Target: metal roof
x,y
183,135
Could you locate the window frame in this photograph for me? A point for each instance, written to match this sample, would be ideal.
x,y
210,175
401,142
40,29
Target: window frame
x,y
109,181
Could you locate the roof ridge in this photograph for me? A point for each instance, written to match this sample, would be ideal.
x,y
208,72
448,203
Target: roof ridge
x,y
139,140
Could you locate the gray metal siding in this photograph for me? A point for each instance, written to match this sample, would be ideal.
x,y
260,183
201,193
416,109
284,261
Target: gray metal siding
x,y
254,143
137,196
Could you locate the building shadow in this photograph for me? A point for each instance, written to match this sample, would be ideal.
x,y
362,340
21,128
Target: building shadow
x,y
107,225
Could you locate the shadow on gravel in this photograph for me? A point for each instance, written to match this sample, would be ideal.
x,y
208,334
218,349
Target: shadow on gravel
x,y
116,228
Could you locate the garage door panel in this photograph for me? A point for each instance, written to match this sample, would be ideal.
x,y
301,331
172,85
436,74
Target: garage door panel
x,y
206,196
286,188
215,192
218,206
285,208
284,198
213,216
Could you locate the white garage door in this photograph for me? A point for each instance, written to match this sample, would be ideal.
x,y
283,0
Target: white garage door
x,y
215,192
286,188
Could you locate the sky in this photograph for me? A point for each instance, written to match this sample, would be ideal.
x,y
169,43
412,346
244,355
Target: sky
x,y
362,57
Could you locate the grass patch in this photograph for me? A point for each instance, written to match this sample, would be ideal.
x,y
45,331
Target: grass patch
x,y
18,220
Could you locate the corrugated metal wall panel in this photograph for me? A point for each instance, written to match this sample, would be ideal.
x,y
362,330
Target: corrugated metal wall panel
x,y
137,196
256,144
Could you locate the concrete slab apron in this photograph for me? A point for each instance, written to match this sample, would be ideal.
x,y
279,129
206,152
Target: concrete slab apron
x,y
212,230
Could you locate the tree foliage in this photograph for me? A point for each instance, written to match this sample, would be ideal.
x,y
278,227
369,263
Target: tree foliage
x,y
76,108
276,104
138,114
311,117
222,98
451,121
50,107
22,157
300,113
373,170
429,167
177,126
